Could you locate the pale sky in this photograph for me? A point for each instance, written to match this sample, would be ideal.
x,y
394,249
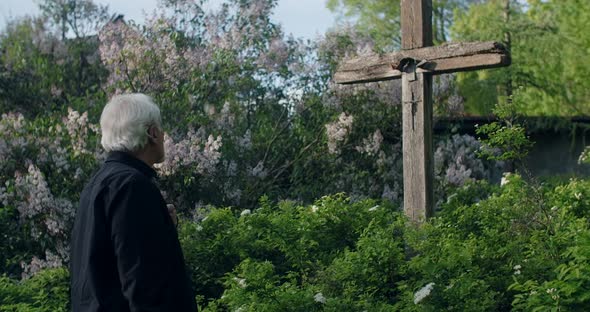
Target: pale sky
x,y
302,18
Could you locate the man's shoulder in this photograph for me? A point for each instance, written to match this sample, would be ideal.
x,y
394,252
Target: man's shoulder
x,y
112,181
117,175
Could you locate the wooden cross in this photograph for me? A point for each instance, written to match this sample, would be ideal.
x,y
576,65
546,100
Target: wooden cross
x,y
415,64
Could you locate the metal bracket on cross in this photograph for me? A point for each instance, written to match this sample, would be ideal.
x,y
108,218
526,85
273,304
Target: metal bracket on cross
x,y
406,65
412,66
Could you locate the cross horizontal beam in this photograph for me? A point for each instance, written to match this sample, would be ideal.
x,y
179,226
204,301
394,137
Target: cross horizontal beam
x,y
450,57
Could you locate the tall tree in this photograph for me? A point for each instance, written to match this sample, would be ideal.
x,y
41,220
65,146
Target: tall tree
x,y
492,20
381,18
81,17
547,39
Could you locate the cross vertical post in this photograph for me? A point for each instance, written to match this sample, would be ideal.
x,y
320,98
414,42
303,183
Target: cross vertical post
x,y
417,113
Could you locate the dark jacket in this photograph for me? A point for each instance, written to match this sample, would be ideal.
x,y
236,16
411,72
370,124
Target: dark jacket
x,y
125,253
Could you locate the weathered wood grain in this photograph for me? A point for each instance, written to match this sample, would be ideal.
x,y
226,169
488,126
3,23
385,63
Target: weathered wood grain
x,y
417,143
452,57
416,109
416,22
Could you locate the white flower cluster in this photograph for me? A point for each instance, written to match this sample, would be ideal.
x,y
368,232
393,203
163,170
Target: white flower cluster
x,y
516,269
505,178
36,200
319,297
77,125
210,155
36,265
372,144
241,282
584,156
553,293
423,293
13,122
338,132
194,150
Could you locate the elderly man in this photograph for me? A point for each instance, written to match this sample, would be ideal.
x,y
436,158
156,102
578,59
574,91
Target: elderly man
x,y
125,253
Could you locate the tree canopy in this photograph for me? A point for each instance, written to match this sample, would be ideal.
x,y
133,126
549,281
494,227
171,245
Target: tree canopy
x,y
548,41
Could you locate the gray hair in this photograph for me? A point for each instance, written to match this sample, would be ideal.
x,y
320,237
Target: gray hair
x,y
125,120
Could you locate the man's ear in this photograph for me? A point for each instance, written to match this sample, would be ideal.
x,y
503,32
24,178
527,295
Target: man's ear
x,y
152,133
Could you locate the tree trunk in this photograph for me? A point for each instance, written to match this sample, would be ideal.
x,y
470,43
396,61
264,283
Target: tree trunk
x,y
508,45
64,20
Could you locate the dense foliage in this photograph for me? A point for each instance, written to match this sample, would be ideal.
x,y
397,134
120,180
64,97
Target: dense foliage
x,y
47,291
520,246
256,132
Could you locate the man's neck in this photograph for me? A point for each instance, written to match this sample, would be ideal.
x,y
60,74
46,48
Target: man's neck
x,y
145,157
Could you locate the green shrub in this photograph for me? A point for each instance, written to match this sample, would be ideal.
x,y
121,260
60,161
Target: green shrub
x,y
519,246
488,248
46,291
286,249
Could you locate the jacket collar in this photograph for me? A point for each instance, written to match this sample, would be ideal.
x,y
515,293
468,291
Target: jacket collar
x,y
132,161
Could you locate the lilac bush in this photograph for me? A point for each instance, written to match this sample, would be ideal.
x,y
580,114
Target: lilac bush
x,y
35,161
248,112
456,161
